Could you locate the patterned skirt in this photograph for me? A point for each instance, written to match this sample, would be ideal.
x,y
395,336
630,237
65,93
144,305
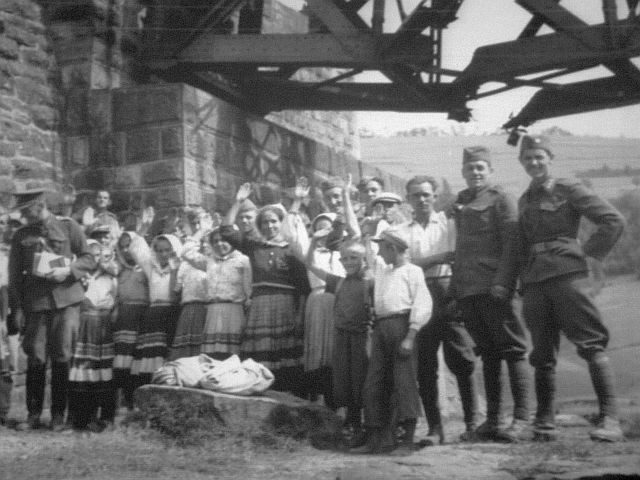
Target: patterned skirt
x,y
158,326
188,338
270,335
125,334
223,330
318,330
92,359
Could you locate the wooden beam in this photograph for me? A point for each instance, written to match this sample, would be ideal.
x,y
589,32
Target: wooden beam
x,y
299,50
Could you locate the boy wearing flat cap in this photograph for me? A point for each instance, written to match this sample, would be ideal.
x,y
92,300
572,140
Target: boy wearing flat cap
x,y
556,292
402,304
484,277
49,304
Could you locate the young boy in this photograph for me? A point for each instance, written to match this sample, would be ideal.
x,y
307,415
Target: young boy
x,y
402,305
351,323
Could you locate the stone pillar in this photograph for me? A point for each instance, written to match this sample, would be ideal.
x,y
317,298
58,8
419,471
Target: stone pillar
x,y
30,154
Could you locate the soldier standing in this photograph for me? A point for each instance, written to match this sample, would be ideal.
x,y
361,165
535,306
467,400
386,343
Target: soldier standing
x,y
484,277
47,297
556,286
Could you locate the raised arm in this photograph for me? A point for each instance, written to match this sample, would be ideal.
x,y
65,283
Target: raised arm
x,y
311,262
353,229
242,194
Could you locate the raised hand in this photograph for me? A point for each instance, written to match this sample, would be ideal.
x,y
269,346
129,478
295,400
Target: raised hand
x,y
301,189
243,192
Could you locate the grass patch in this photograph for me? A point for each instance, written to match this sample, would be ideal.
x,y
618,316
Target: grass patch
x,y
186,423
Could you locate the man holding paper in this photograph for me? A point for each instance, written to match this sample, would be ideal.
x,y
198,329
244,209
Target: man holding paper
x,y
48,258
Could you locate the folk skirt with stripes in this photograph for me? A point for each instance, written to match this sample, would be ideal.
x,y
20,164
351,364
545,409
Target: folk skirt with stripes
x,y
223,330
125,334
188,338
270,335
92,359
152,347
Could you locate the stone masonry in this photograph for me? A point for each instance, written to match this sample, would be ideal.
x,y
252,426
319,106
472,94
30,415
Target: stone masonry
x,y
30,147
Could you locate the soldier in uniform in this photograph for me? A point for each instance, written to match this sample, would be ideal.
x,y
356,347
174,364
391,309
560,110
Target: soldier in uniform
x,y
484,277
47,299
556,286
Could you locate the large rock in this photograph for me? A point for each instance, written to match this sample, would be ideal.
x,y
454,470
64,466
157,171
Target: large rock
x,y
279,412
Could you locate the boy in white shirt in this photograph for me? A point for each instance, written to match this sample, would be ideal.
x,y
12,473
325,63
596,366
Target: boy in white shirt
x,y
402,305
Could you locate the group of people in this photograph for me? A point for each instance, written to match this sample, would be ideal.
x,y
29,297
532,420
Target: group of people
x,y
353,305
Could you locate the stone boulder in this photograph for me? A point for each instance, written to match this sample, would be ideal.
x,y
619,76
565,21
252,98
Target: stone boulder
x,y
282,413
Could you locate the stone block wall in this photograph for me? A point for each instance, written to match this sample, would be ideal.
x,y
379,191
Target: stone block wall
x,y
30,154
171,145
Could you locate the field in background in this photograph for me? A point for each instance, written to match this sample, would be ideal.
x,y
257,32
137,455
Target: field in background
x,y
442,157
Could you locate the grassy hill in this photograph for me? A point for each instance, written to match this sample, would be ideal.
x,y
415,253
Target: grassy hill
x,y
442,156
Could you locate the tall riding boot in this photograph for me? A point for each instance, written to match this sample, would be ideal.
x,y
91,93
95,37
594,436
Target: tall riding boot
x,y
608,428
6,385
519,382
59,391
35,383
544,428
492,372
469,400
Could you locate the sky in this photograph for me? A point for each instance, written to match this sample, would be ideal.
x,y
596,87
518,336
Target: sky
x,y
482,22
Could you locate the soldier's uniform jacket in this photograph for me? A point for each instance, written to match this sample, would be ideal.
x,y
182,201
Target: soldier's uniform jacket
x,y
486,241
549,218
33,293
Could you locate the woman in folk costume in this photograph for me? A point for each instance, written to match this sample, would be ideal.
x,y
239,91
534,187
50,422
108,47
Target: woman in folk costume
x,y
192,282
91,372
228,274
159,323
273,335
318,323
132,305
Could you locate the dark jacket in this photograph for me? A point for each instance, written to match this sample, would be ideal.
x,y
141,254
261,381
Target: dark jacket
x,y
32,293
486,241
549,218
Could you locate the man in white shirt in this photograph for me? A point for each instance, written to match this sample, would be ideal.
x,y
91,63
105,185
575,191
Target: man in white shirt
x,y
431,238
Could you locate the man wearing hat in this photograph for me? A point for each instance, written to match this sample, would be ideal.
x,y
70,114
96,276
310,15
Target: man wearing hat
x,y
484,278
555,281
48,302
430,235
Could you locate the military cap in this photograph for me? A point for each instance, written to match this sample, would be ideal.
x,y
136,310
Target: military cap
x,y
387,197
392,236
476,153
27,198
535,141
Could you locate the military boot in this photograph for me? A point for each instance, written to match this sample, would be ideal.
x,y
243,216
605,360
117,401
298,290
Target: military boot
x,y
544,428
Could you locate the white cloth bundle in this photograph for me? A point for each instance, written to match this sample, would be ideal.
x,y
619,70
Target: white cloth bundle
x,y
226,376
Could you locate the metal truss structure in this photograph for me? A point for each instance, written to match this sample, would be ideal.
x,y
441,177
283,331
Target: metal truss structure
x,y
195,41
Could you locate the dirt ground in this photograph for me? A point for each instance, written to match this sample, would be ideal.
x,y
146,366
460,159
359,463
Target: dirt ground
x,y
127,452
130,452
